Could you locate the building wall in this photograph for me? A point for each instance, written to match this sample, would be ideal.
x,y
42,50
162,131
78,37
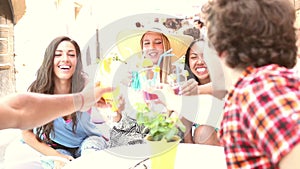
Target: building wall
x,y
42,22
47,19
7,71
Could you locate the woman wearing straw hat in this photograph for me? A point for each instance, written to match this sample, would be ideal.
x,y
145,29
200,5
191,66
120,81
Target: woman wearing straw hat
x,y
131,44
162,49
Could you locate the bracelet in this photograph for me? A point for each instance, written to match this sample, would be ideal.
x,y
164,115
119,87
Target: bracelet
x,y
82,101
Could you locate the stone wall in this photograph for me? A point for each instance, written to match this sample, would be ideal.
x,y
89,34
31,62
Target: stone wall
x,y
7,72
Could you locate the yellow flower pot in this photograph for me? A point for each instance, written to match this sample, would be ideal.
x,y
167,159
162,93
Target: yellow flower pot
x,y
163,153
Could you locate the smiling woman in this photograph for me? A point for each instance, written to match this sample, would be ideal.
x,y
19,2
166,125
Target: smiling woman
x,y
70,136
198,70
65,60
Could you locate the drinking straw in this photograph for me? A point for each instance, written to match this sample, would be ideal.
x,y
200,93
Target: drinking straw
x,y
177,74
167,53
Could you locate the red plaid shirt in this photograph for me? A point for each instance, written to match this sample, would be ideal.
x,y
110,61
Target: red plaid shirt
x,y
261,120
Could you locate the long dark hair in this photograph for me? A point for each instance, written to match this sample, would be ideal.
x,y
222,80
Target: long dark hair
x,y
44,82
187,63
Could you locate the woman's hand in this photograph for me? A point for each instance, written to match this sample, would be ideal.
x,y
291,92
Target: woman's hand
x,y
121,107
61,160
189,88
58,164
167,97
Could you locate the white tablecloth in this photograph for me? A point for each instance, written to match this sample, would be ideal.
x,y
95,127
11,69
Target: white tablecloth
x,y
125,157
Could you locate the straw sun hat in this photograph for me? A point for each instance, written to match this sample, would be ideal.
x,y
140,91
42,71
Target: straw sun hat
x,y
128,42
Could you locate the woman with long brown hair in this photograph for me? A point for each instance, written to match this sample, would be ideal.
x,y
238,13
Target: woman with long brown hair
x,y
60,73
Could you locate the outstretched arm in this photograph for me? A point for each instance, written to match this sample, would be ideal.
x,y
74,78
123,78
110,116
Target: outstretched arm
x,y
28,110
202,109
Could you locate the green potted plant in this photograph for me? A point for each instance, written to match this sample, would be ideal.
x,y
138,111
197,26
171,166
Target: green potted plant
x,y
160,126
162,135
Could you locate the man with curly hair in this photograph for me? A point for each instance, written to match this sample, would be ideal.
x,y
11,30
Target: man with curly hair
x,y
256,44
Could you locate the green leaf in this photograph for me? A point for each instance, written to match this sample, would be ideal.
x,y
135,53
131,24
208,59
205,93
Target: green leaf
x,y
163,129
157,137
171,133
160,125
